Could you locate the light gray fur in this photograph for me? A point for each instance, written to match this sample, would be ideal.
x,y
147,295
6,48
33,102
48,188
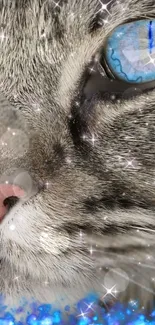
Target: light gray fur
x,y
45,69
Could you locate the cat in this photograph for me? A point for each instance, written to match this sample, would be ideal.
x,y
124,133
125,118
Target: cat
x,y
84,159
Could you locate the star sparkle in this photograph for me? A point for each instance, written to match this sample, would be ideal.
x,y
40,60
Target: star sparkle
x,y
91,250
56,4
16,278
89,307
132,163
91,69
129,163
133,304
77,104
93,139
80,234
103,22
2,36
83,314
47,184
104,7
110,291
150,61
84,137
148,257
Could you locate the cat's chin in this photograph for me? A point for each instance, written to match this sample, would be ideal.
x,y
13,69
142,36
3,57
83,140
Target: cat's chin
x,y
57,296
60,296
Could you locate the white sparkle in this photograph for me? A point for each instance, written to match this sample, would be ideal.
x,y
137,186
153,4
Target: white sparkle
x,y
72,54
77,103
16,278
12,227
4,143
89,306
119,34
2,36
133,303
151,60
103,22
92,69
81,234
70,116
129,164
110,291
68,160
113,97
46,283
56,4
93,139
91,250
104,7
47,184
84,137
82,314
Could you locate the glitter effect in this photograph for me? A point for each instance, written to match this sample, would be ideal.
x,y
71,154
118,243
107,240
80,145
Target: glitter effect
x,y
104,7
2,36
150,61
86,312
110,291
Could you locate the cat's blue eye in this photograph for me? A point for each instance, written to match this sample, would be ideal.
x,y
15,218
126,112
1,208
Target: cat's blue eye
x,y
130,52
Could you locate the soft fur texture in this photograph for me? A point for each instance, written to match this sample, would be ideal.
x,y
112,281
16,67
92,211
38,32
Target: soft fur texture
x,y
91,162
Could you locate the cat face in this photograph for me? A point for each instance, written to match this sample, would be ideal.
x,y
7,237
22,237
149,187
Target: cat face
x,y
84,161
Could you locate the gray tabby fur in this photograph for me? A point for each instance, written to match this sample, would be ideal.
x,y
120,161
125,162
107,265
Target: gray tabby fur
x,y
42,60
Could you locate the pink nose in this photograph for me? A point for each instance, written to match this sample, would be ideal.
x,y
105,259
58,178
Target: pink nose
x,y
8,191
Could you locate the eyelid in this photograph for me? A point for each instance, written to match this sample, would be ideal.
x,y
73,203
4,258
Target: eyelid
x,y
125,84
100,84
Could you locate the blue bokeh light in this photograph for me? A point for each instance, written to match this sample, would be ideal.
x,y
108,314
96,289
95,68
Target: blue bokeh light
x,y
86,312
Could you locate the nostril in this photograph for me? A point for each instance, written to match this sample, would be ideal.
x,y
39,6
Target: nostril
x,y
9,196
10,201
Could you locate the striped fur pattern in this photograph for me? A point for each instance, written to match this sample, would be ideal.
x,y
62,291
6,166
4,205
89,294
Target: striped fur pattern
x,y
92,160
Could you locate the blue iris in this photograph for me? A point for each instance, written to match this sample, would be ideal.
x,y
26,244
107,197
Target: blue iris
x,y
130,51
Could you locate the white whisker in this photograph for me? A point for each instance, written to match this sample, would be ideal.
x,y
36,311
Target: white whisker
x,y
127,259
131,280
140,228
